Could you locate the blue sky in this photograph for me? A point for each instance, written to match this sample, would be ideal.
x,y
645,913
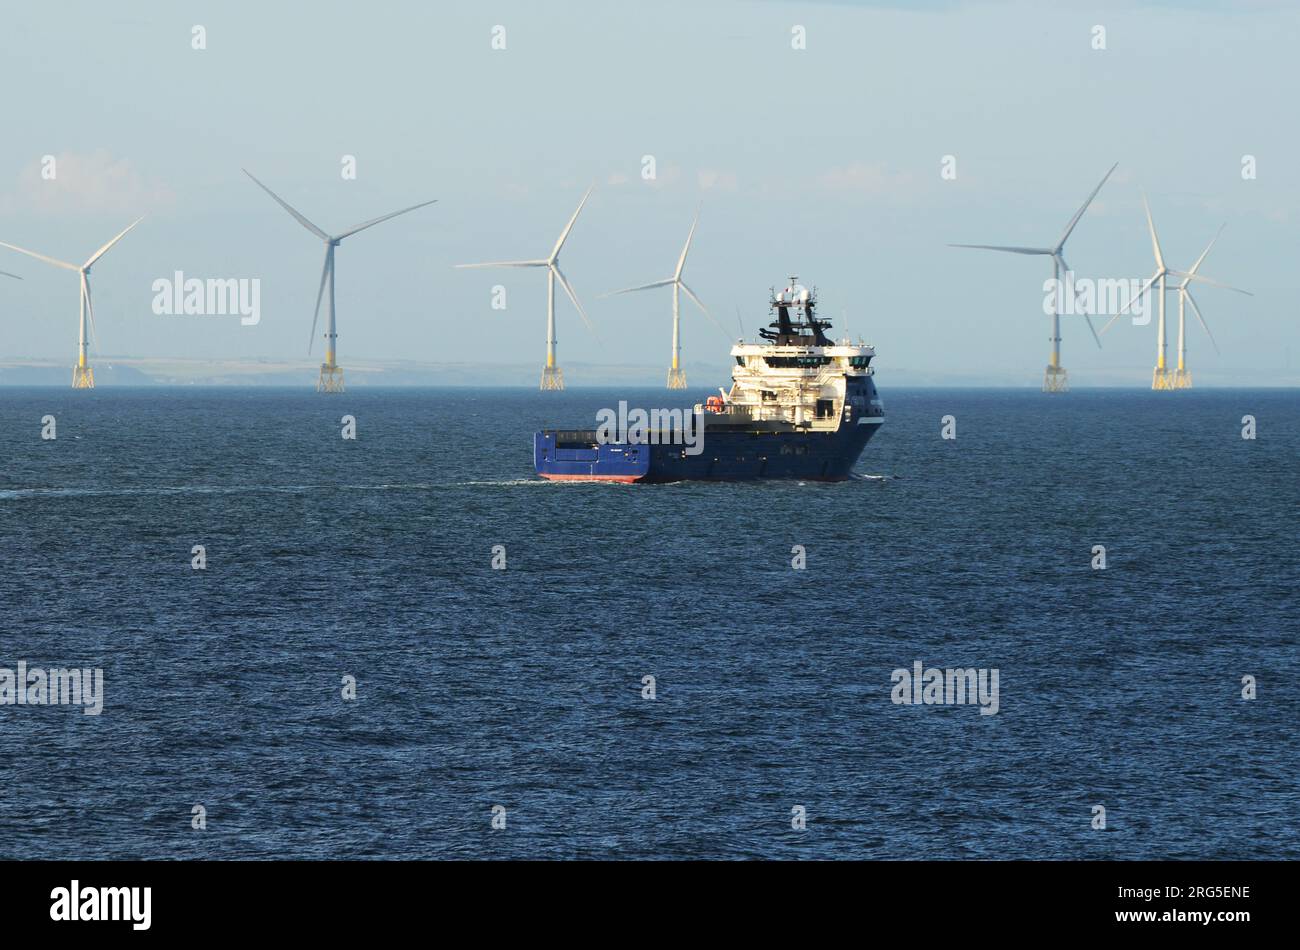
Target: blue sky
x,y
823,162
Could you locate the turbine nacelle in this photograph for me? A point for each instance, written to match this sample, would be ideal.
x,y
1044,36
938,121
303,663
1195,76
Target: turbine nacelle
x,y
1163,271
331,242
1055,252
554,275
82,378
677,284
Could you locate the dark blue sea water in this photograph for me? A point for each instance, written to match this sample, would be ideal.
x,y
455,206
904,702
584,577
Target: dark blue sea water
x,y
522,688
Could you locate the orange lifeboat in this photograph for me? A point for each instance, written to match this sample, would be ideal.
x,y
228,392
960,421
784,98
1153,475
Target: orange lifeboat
x,y
714,404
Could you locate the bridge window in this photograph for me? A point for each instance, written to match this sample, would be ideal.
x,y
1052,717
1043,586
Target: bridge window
x,y
792,362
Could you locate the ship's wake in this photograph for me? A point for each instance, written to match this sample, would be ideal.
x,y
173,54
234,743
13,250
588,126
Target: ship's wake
x,y
13,494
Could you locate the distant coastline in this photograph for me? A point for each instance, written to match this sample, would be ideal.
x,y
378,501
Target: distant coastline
x,y
112,371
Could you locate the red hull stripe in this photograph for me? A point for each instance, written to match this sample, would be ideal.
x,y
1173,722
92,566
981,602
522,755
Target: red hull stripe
x,y
590,478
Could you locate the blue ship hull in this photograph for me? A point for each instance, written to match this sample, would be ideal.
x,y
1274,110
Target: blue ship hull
x,y
732,446
737,453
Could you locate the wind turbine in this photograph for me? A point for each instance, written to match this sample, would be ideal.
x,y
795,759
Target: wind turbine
x,y
676,375
1160,378
331,374
552,375
83,376
1055,379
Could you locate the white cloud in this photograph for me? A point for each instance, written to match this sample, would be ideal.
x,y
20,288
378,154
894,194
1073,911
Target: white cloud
x,y
711,178
860,178
86,182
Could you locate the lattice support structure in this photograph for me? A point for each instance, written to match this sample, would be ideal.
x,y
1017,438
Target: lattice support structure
x,y
331,379
1056,380
552,377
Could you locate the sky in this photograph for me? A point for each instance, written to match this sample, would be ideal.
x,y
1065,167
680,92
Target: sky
x,y
825,162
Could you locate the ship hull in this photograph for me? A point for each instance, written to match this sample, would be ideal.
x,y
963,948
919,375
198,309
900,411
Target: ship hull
x,y
727,456
727,443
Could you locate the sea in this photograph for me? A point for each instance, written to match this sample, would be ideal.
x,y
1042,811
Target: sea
x,y
406,645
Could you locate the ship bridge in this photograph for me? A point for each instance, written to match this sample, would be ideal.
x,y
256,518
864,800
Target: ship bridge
x,y
798,375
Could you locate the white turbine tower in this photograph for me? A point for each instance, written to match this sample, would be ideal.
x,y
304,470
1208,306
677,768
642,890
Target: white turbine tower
x,y
676,375
331,374
1055,378
1160,378
1182,375
552,375
83,376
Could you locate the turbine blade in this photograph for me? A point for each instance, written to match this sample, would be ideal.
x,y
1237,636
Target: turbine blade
x,y
40,257
1155,241
1069,228
564,282
104,250
1093,329
1192,269
681,261
1205,326
627,290
315,316
1013,250
289,208
700,303
1136,297
374,221
7,274
555,252
1206,280
505,264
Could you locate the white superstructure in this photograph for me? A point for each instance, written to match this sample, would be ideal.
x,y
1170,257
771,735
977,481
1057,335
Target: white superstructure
x,y
800,377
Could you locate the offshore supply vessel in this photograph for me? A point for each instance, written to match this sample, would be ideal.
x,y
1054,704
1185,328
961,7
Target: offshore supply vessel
x,y
800,406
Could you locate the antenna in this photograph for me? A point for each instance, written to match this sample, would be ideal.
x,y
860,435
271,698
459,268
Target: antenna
x,y
740,323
